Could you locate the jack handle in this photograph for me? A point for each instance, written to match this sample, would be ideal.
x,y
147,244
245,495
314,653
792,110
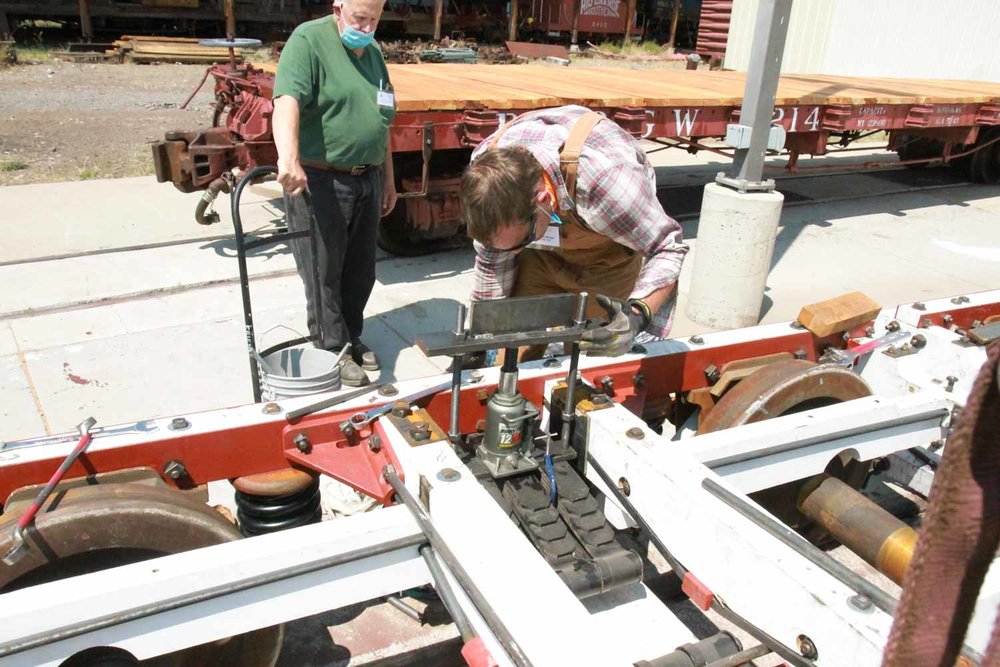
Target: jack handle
x,y
19,545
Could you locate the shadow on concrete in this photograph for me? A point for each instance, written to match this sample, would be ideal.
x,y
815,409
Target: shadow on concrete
x,y
308,643
404,270
392,331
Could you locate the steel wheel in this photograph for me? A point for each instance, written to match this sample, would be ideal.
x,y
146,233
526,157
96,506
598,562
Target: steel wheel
x,y
92,528
782,388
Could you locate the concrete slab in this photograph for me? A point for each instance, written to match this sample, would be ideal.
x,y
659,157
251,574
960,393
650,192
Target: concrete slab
x,y
93,279
103,214
19,416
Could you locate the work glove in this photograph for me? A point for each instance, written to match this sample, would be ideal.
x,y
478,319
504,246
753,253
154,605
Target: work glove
x,y
614,338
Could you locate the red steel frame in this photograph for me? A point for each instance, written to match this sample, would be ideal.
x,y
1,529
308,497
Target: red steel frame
x,y
268,444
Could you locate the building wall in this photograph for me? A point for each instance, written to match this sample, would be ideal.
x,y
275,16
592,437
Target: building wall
x,y
881,38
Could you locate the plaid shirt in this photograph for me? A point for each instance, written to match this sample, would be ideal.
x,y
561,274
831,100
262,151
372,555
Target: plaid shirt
x,y
615,196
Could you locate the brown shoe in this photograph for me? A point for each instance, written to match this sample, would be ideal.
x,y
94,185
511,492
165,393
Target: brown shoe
x,y
363,356
351,374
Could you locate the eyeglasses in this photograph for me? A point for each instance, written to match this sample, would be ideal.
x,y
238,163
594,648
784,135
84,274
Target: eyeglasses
x,y
533,226
554,220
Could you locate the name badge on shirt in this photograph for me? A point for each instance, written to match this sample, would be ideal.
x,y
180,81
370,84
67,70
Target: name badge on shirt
x,y
386,99
550,239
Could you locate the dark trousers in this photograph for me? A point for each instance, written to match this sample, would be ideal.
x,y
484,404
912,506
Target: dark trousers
x,y
347,210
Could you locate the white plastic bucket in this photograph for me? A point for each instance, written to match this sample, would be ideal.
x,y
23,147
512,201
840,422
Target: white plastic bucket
x,y
299,371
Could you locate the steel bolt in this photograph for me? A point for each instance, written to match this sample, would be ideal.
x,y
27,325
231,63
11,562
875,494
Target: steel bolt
x,y
925,323
892,326
420,431
552,362
800,354
861,602
607,384
919,341
712,374
947,319
599,399
795,324
476,376
935,445
271,409
696,340
919,305
958,300
638,380
302,443
175,470
635,433
806,647
952,380
388,390
624,486
400,409
178,424
638,349
448,475
375,443
870,331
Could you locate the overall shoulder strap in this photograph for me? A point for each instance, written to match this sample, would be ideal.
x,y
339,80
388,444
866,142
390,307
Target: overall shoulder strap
x,y
569,156
500,132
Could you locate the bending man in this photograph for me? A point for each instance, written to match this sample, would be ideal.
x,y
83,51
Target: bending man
x,y
564,200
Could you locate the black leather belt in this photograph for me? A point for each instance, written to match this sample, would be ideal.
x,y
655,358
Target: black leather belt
x,y
353,171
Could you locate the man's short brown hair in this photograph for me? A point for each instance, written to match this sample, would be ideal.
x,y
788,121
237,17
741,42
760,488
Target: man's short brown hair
x,y
498,189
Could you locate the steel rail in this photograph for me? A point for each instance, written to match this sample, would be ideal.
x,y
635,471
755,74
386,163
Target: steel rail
x,y
775,645
444,552
143,611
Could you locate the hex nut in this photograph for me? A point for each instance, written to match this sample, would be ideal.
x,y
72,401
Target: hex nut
x,y
806,647
302,443
271,409
624,486
919,341
178,424
448,475
175,470
635,433
375,443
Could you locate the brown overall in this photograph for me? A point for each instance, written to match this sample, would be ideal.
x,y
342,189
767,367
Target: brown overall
x,y
585,260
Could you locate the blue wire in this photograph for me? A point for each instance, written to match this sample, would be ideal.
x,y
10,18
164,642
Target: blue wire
x,y
551,473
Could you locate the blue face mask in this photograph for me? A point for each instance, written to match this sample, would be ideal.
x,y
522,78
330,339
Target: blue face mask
x,y
356,39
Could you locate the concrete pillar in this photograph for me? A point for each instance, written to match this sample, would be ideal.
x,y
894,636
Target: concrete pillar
x,y
732,256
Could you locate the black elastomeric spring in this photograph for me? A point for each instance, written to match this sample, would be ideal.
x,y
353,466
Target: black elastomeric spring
x,y
269,514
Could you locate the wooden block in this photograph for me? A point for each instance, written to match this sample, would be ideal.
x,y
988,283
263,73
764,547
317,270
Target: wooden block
x,y
841,313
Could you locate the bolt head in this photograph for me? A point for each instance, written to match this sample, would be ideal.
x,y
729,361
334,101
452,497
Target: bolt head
x,y
919,341
892,326
375,443
599,399
635,433
552,362
806,647
696,340
919,305
179,423
624,486
448,475
302,443
271,409
861,602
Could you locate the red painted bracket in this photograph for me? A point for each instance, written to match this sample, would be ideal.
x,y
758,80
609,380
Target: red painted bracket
x,y
357,461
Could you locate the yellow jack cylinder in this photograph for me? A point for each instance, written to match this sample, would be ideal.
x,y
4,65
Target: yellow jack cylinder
x,y
862,526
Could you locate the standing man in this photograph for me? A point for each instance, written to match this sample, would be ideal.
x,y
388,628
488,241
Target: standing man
x,y
333,105
564,200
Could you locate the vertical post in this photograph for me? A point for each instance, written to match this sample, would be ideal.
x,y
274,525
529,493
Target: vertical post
x,y
454,434
512,32
86,28
673,24
230,13
573,46
438,13
740,211
629,19
762,85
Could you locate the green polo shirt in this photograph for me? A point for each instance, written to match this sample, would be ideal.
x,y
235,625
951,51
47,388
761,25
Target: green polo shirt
x,y
341,121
